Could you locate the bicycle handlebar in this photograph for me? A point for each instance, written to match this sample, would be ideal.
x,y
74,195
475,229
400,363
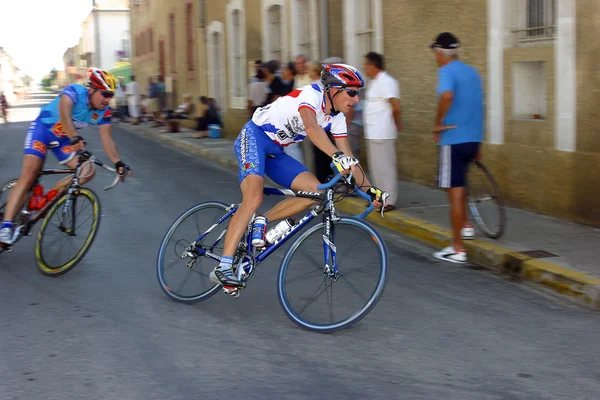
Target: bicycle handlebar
x,y
91,158
336,179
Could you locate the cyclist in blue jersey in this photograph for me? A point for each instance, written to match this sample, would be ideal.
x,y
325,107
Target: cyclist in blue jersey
x,y
308,111
75,108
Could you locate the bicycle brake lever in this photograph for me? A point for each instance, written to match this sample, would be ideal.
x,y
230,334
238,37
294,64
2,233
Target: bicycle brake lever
x,y
384,198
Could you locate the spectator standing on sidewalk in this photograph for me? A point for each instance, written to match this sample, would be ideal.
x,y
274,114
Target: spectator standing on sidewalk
x,y
275,87
458,130
134,100
382,122
154,108
302,77
257,92
288,77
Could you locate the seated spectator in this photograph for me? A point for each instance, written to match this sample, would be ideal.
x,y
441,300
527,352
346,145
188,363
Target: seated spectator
x,y
209,115
183,111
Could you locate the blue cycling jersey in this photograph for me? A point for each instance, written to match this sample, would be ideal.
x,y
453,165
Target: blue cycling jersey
x,y
47,127
83,114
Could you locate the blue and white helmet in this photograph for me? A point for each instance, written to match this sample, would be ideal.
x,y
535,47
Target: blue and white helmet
x,y
341,75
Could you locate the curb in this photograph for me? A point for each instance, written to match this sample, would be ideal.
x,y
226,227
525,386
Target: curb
x,y
575,286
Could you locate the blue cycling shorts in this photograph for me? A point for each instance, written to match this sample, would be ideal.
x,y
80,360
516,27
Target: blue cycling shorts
x,y
258,155
38,140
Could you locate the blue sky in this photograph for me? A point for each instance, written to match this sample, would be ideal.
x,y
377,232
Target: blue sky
x,y
36,33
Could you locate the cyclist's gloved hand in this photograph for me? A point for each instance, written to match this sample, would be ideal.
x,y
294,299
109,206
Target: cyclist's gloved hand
x,y
122,169
380,197
79,142
342,162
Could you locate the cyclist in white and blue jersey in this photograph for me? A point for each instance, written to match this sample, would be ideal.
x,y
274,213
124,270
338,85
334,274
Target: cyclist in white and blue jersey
x,y
305,112
75,108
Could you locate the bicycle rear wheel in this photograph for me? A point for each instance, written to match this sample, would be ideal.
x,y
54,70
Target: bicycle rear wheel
x,y
302,281
66,222
4,192
485,202
191,270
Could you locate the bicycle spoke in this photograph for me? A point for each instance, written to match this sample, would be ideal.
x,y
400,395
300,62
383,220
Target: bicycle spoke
x,y
330,303
185,280
314,297
354,289
191,285
347,303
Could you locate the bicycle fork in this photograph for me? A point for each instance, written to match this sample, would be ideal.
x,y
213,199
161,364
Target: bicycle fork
x,y
330,270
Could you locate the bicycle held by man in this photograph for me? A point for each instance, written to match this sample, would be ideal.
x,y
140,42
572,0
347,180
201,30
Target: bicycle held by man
x,y
352,255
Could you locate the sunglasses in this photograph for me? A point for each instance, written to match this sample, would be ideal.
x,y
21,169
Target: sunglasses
x,y
107,95
351,92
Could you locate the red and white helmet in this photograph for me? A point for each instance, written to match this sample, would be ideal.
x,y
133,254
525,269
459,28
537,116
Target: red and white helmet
x,y
341,75
102,80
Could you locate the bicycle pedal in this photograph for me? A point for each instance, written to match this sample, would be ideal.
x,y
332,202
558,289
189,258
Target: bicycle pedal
x,y
232,291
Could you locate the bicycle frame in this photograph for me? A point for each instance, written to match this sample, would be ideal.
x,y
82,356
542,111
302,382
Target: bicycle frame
x,y
71,188
326,206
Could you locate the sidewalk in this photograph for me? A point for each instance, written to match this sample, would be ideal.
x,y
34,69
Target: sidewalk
x,y
572,270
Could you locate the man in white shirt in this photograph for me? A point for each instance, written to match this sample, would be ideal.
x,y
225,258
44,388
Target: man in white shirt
x,y
382,121
134,99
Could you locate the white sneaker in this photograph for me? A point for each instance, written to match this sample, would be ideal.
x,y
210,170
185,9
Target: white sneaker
x,y
223,275
449,254
467,232
6,236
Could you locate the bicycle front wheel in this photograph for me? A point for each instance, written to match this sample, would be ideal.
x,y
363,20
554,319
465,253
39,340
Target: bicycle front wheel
x,y
485,201
71,220
306,288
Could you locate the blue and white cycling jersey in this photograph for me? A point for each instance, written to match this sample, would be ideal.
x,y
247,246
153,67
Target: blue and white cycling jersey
x,y
47,126
281,119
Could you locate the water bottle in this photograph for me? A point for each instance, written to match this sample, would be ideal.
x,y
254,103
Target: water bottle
x,y
258,231
280,229
37,200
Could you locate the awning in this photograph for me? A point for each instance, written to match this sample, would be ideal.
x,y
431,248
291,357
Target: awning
x,y
123,74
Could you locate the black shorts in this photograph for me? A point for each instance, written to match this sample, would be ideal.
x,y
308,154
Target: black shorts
x,y
453,162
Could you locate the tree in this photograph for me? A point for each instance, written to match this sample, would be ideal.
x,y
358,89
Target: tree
x,y
49,79
27,80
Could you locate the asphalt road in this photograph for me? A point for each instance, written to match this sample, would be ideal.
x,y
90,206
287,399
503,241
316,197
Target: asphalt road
x,y
105,330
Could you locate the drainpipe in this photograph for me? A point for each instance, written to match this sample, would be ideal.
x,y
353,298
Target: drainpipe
x,y
205,39
324,29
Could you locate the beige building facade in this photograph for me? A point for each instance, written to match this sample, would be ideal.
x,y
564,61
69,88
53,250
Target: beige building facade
x,y
538,60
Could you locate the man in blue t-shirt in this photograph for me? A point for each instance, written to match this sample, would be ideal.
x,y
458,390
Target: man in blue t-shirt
x,y
459,132
56,128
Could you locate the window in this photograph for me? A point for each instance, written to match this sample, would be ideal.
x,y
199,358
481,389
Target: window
x,y
172,41
274,30
161,55
201,12
536,20
529,90
236,44
189,28
305,34
215,54
364,29
126,45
